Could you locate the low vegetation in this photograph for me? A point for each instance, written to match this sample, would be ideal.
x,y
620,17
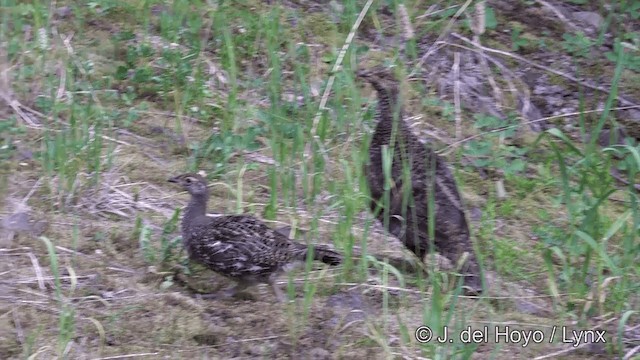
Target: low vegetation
x,y
534,103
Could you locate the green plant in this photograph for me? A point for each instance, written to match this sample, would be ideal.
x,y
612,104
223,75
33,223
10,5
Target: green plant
x,y
588,263
628,57
578,45
517,40
66,324
9,130
543,41
488,153
160,253
491,22
111,83
523,185
172,73
631,7
220,147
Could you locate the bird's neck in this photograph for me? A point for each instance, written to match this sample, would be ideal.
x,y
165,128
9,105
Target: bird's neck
x,y
197,207
389,112
388,100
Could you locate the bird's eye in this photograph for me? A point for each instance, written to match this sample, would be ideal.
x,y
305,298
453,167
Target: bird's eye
x,y
188,180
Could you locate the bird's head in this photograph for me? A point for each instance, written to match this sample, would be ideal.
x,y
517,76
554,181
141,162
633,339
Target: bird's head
x,y
381,78
195,184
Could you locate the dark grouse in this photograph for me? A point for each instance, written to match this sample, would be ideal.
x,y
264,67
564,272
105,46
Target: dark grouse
x,y
427,173
240,247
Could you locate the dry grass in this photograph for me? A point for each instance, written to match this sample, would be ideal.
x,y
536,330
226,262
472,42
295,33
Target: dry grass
x,y
113,304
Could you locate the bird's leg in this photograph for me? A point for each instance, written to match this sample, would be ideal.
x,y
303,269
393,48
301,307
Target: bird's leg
x,y
181,279
460,251
276,290
472,281
207,296
233,291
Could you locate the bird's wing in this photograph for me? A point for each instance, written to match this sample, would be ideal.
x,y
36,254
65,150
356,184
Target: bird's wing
x,y
252,239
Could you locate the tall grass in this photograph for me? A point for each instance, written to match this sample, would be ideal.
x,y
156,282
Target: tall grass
x,y
216,63
598,268
66,326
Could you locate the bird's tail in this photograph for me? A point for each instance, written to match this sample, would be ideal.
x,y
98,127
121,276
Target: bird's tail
x,y
330,257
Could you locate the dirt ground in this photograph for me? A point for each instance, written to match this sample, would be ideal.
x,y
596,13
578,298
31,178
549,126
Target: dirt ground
x,y
116,304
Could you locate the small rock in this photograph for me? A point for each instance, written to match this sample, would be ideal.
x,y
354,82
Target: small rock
x,y
544,89
346,307
22,222
528,307
607,135
319,354
16,222
206,339
531,112
554,102
475,214
441,263
531,77
590,18
336,6
24,155
157,10
64,12
500,190
556,89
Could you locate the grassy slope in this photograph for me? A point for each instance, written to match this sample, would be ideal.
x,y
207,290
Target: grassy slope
x,y
114,97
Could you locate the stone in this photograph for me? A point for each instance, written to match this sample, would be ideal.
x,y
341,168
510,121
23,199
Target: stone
x,y
589,17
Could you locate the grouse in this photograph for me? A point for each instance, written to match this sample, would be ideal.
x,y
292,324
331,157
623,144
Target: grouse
x,y
240,247
427,174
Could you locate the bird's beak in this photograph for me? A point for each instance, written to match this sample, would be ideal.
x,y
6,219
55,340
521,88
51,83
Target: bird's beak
x,y
173,179
363,73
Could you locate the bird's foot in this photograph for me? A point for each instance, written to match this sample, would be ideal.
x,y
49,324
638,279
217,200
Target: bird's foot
x,y
280,296
226,295
201,296
193,289
472,285
245,295
238,292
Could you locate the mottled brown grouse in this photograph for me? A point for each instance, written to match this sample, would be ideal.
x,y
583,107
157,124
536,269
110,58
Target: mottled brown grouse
x,y
428,173
239,247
